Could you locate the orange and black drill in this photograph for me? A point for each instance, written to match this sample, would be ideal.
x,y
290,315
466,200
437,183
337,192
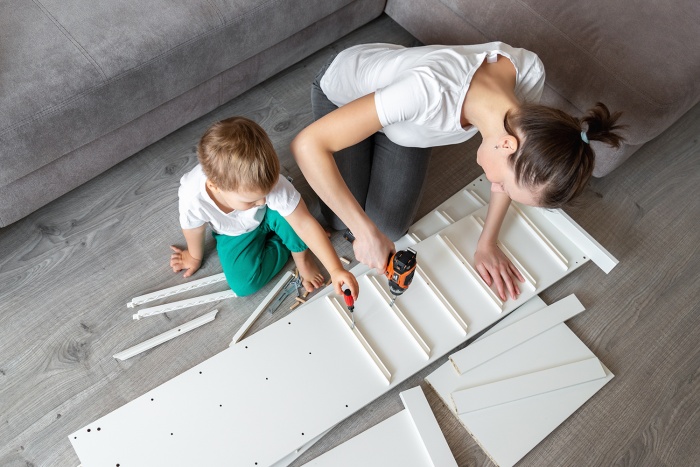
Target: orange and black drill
x,y
399,270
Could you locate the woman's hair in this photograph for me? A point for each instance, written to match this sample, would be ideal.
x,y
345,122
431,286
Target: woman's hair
x,y
236,154
554,156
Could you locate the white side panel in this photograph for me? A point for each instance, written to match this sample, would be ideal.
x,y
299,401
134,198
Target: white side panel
x,y
487,348
393,442
509,431
255,402
532,384
287,460
458,286
427,427
411,438
507,434
569,228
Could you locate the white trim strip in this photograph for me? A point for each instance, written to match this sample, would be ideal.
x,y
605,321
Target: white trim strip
x,y
445,218
157,295
495,299
473,195
264,304
368,348
528,385
441,298
588,245
402,317
212,297
428,429
515,334
542,238
166,336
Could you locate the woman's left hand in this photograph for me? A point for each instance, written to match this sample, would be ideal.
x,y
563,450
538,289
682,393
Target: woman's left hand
x,y
495,267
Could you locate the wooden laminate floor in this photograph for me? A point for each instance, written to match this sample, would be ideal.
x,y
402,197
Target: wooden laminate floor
x,y
68,270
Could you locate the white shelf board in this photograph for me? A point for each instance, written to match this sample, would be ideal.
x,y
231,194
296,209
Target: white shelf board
x,y
487,348
509,431
411,438
529,385
430,434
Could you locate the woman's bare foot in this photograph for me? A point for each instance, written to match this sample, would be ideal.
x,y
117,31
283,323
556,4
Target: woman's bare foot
x,y
308,269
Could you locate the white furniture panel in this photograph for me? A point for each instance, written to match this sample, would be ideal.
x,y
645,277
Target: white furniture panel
x,y
508,431
531,384
473,197
252,404
262,399
504,339
430,434
411,438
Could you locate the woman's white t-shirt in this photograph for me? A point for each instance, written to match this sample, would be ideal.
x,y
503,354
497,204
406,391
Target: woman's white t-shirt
x,y
197,208
419,91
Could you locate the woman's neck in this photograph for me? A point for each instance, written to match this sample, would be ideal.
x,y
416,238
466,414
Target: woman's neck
x,y
491,94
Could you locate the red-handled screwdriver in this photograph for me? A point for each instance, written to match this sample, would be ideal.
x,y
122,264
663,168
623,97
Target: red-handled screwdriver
x,y
347,295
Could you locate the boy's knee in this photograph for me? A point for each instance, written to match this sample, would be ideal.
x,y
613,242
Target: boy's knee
x,y
245,285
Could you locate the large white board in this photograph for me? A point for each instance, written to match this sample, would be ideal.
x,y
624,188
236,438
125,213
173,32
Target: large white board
x,y
510,430
263,398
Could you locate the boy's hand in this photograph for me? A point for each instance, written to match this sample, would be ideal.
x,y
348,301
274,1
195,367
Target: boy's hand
x,y
181,259
341,277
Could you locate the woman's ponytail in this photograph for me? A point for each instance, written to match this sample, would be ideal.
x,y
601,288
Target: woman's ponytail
x,y
554,155
600,125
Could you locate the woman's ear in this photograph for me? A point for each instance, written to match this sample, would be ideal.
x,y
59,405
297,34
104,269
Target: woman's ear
x,y
509,143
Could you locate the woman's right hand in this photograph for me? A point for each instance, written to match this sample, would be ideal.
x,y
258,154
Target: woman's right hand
x,y
373,249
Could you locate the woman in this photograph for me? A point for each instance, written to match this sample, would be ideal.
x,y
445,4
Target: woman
x,y
379,108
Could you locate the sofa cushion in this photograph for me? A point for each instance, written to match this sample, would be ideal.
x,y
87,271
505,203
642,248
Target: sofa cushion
x,y
605,53
78,69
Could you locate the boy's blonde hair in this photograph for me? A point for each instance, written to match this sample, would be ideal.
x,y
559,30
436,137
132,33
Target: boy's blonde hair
x,y
236,154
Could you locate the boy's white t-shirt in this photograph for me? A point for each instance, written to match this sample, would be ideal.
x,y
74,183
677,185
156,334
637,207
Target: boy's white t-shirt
x,y
419,91
197,208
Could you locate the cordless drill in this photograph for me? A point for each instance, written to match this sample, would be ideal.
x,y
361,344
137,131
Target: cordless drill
x,y
400,268
400,271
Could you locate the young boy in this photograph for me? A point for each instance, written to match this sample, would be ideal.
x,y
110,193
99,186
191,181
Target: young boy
x,y
256,214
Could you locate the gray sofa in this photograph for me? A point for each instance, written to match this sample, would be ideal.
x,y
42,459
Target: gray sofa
x,y
84,84
640,57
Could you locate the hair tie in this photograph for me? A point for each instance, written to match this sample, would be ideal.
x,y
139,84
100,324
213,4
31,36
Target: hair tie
x,y
584,137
